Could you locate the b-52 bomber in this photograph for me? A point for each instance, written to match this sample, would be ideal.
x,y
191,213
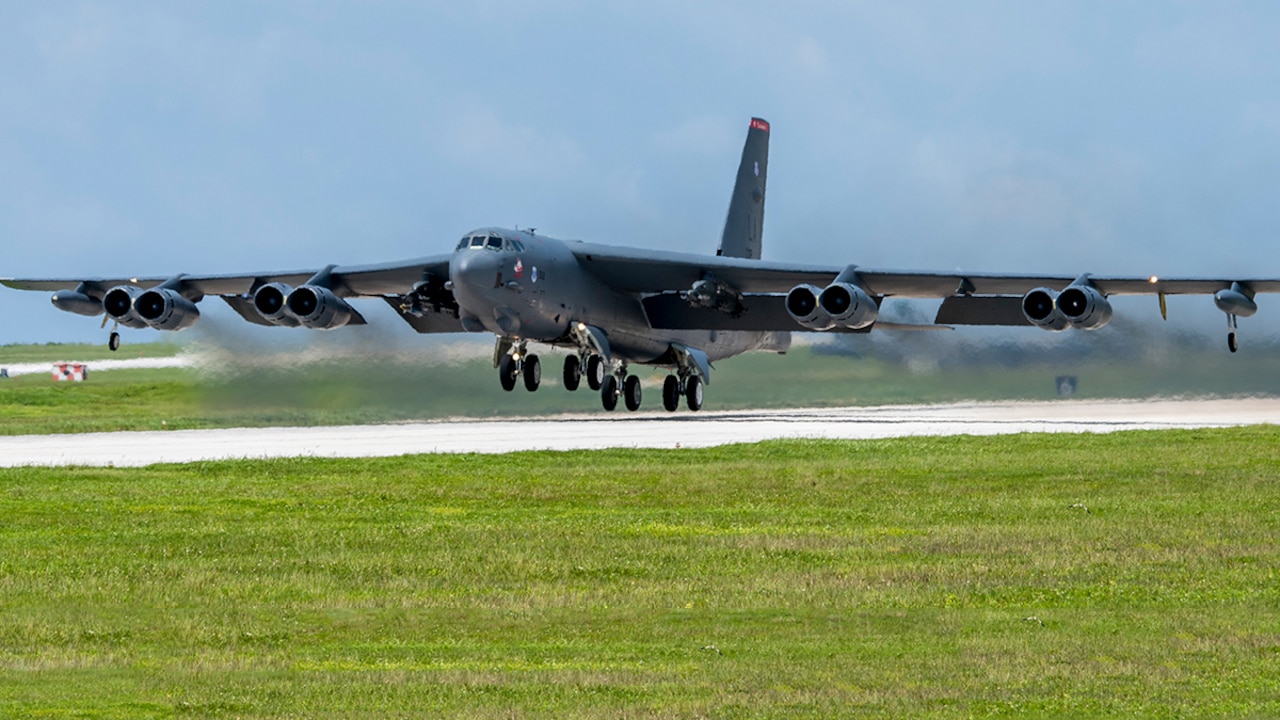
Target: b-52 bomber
x,y
612,307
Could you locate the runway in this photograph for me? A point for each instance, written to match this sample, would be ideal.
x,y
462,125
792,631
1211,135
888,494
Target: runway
x,y
623,430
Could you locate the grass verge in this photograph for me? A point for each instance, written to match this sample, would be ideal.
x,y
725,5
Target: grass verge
x,y
1131,574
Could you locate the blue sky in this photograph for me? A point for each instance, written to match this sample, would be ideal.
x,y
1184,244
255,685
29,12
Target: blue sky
x,y
156,138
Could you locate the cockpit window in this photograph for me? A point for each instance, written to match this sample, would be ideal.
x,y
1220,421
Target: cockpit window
x,y
463,243
495,242
477,241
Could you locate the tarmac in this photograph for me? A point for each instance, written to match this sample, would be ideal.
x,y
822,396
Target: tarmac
x,y
598,430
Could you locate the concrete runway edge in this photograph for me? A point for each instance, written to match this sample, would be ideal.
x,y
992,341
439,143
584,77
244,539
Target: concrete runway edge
x,y
644,429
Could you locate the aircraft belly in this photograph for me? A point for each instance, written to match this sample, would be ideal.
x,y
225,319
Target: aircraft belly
x,y
644,345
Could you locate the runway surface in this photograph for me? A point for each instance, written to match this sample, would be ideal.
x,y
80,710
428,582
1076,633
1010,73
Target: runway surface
x,y
648,430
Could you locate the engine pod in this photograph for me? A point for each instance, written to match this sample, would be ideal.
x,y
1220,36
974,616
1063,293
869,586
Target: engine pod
x,y
119,304
1084,307
1040,308
849,305
165,309
803,307
318,308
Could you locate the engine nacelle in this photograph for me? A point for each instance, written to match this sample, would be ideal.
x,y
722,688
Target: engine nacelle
x,y
1084,307
803,307
76,302
849,305
1040,307
165,309
318,308
1234,302
269,302
119,304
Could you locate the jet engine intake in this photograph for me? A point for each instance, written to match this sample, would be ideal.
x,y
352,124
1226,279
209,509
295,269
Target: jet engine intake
x,y
1040,307
318,308
1083,307
269,302
165,309
76,302
849,305
803,307
119,304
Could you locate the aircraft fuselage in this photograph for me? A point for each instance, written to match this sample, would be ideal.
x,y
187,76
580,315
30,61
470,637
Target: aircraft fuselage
x,y
531,287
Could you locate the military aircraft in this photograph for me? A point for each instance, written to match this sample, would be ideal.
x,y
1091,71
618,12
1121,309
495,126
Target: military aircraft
x,y
612,307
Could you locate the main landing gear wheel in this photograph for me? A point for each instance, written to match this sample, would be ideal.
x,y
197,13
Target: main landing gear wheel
x,y
693,392
631,392
609,392
595,372
572,372
532,371
507,372
113,342
671,393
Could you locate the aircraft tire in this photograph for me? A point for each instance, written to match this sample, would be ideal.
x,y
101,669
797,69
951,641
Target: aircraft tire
x,y
609,393
631,392
572,373
532,373
693,392
113,342
507,373
595,372
1232,345
671,393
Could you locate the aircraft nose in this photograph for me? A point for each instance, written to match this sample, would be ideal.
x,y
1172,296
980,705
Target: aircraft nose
x,y
473,269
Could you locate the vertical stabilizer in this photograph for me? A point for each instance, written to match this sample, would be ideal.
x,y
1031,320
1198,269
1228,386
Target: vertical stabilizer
x,y
744,226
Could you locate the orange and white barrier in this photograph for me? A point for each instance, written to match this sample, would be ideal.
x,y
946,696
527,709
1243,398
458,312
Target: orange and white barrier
x,y
73,372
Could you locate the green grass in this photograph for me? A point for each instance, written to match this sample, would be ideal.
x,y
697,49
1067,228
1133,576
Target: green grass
x,y
372,387
50,352
1132,574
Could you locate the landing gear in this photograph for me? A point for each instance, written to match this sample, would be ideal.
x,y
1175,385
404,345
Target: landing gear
x,y
609,392
113,342
532,371
631,392
572,372
693,392
671,393
514,363
1233,323
1231,342
595,372
508,368
689,387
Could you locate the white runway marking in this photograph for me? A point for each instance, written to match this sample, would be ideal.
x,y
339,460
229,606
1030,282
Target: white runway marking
x,y
649,430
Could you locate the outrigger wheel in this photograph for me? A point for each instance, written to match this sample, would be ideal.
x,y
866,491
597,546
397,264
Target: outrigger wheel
x,y
113,342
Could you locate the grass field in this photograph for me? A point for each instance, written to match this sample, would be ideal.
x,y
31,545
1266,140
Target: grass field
x,y
1132,575
369,386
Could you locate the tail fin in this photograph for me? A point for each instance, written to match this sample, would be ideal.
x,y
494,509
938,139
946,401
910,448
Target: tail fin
x,y
744,226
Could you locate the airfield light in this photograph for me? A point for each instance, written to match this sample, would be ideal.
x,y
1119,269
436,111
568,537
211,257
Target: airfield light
x,y
1153,280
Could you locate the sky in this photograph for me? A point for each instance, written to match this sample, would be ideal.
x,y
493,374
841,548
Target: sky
x,y
152,138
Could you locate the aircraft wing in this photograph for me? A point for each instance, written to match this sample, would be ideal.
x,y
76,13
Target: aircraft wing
x,y
642,271
354,281
968,298
392,281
